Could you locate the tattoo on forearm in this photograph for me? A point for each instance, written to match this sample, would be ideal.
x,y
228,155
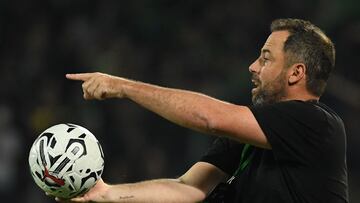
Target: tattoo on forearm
x,y
126,197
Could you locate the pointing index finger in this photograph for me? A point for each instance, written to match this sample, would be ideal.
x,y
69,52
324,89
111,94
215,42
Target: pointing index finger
x,y
79,76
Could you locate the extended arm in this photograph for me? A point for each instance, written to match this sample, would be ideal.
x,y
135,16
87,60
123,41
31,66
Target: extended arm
x,y
161,190
193,186
186,108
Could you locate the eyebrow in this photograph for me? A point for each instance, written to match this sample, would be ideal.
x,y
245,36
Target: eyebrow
x,y
263,51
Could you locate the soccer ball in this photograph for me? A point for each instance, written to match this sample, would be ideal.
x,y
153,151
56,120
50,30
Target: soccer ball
x,y
66,160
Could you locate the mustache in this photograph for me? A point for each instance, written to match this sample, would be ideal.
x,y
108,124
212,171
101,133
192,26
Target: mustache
x,y
255,78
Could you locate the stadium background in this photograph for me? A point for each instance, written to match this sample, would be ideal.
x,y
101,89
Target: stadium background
x,y
201,45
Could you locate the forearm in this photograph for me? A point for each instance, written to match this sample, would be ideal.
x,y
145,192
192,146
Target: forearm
x,y
186,108
189,109
162,190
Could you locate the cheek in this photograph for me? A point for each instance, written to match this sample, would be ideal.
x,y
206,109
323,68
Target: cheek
x,y
265,75
269,74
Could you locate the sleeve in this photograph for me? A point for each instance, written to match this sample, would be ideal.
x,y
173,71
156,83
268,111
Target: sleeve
x,y
224,154
293,129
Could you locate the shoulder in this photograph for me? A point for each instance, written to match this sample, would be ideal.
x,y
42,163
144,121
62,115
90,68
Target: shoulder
x,y
301,130
279,108
294,109
296,115
328,113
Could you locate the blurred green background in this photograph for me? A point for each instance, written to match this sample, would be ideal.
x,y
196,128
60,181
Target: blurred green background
x,y
204,46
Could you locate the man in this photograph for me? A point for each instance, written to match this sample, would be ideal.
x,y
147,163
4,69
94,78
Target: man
x,y
287,147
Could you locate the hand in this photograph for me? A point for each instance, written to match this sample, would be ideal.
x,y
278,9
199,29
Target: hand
x,y
99,85
96,194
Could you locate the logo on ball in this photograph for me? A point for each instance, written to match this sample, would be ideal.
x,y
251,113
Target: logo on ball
x,y
66,160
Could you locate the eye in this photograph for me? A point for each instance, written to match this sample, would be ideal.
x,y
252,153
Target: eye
x,y
264,61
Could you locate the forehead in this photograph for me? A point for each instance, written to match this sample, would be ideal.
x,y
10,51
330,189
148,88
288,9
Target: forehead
x,y
275,42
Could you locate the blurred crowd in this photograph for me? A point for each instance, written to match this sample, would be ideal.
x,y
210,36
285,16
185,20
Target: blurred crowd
x,y
201,45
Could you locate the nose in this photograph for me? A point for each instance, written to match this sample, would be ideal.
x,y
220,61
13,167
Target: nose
x,y
254,67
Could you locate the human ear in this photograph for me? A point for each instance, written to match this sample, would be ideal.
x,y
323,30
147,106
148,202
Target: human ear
x,y
297,72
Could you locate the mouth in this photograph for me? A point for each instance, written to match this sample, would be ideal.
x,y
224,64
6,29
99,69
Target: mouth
x,y
255,82
256,85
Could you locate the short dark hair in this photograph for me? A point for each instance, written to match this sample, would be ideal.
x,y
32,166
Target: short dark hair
x,y
308,44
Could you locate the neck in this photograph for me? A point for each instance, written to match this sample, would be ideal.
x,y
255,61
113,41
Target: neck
x,y
300,95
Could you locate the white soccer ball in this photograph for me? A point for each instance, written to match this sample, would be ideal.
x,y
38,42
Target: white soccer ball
x,y
66,160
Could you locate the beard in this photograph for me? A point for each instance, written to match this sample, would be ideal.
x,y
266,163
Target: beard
x,y
270,92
